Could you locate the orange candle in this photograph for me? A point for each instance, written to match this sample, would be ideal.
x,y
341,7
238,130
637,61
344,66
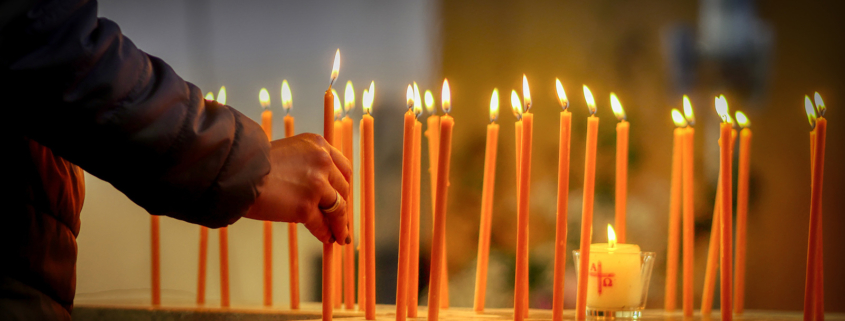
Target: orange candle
x,y
439,237
293,248
814,291
562,204
689,209
587,214
521,292
414,265
670,293
742,211
370,200
328,134
203,259
337,259
433,134
156,261
622,129
405,210
713,251
487,204
361,244
224,266
267,125
349,249
726,215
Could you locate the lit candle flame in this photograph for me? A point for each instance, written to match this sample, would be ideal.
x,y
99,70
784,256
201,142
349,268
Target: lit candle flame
x,y
742,120
372,92
688,114
446,97
287,98
409,95
429,102
526,94
561,95
209,96
335,67
338,110
348,97
221,95
678,118
722,108
611,237
494,105
591,102
516,105
367,101
417,100
264,98
819,104
811,111
617,107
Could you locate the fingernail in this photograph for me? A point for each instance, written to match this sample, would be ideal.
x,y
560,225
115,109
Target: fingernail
x,y
348,239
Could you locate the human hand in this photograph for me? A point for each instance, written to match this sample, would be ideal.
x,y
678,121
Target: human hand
x,y
305,172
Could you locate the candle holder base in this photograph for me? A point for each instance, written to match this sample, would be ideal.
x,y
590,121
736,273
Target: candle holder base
x,y
614,314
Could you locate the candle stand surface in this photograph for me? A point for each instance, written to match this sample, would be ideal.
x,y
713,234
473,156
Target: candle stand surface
x,y
111,310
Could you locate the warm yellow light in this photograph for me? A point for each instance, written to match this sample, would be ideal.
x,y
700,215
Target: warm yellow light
x,y
446,97
617,107
264,98
417,99
338,110
516,106
221,95
526,94
591,102
494,105
372,91
349,97
678,118
820,107
429,102
336,65
561,95
688,114
811,112
611,237
409,96
209,96
742,120
367,101
287,98
722,108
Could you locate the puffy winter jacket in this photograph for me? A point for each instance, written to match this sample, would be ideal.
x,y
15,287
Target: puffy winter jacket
x,y
75,93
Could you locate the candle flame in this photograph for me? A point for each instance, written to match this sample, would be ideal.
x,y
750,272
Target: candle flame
x,y
742,120
678,118
409,96
617,107
688,114
811,111
221,95
349,97
516,105
338,110
335,66
819,104
367,101
372,91
429,102
591,102
418,102
611,237
446,97
561,95
287,98
494,105
209,96
722,108
526,94
264,98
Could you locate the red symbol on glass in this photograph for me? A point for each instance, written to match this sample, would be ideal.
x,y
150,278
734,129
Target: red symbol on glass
x,y
604,279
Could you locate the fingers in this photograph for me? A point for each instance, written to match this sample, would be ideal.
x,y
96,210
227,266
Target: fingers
x,y
337,157
335,219
316,224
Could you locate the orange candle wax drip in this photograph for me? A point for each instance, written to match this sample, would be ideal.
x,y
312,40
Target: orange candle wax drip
x,y
587,212
674,212
742,212
562,205
688,223
156,260
439,235
328,248
622,129
814,282
487,204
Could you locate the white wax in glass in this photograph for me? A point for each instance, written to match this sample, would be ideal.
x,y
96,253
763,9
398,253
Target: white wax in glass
x,y
614,279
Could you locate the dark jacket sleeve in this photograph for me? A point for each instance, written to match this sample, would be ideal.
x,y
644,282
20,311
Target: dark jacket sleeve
x,y
75,84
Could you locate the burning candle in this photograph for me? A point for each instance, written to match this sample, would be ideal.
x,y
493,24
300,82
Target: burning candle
x,y
362,297
267,125
674,212
726,215
742,210
293,248
562,203
224,239
405,210
337,258
328,133
433,134
521,293
349,249
615,280
413,285
203,255
689,208
516,107
622,129
369,200
487,203
813,288
439,237
587,213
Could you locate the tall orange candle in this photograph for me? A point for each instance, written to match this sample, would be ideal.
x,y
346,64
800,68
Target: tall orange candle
x,y
670,294
742,211
439,236
622,129
293,247
267,125
433,134
713,251
486,221
689,209
516,106
405,210
362,255
203,255
726,215
521,292
156,260
414,265
587,212
368,172
224,239
337,259
814,291
819,280
562,204
328,248
349,249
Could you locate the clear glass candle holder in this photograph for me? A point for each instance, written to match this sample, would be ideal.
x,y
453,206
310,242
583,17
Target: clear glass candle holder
x,y
617,284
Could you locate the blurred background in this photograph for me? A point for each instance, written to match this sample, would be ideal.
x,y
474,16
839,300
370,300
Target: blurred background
x,y
763,55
